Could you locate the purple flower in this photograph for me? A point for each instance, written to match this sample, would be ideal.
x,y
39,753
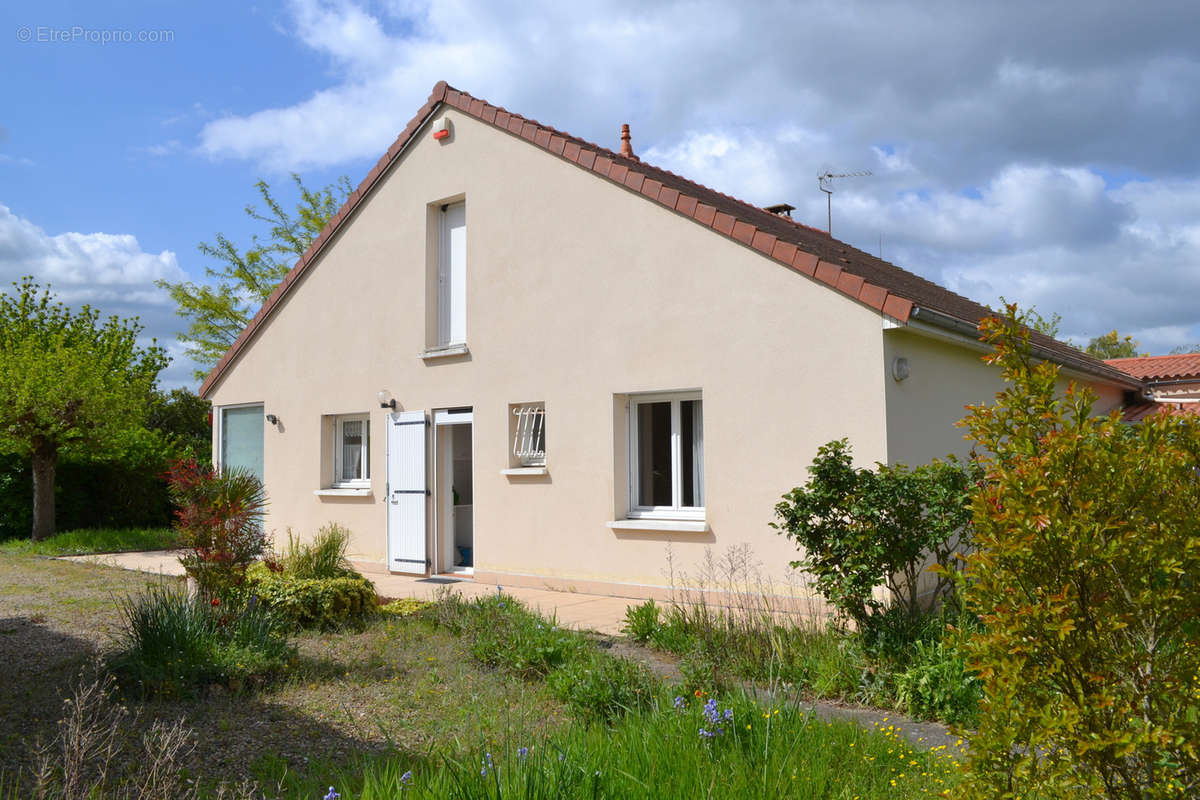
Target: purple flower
x,y
333,795
522,752
707,734
710,711
406,780
728,716
680,702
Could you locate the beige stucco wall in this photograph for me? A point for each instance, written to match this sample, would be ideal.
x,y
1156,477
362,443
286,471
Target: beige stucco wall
x,y
578,292
944,377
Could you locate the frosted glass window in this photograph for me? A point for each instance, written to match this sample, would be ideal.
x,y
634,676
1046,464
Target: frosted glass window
x,y
242,438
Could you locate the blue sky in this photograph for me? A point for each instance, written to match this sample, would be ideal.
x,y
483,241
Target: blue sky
x,y
1043,154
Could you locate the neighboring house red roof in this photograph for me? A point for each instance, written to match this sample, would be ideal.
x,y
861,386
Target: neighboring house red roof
x,y
845,269
1160,368
1140,411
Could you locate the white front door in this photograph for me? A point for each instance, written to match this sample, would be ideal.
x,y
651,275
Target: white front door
x,y
408,492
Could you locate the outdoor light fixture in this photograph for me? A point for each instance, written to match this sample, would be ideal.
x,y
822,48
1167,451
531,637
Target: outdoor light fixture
x,y
900,369
271,418
386,400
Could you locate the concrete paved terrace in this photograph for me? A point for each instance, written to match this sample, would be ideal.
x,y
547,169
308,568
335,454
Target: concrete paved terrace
x,y
572,609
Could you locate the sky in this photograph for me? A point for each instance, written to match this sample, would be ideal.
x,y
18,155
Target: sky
x,y
1041,152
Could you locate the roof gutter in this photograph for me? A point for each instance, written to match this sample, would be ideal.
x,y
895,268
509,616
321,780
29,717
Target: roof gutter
x,y
960,326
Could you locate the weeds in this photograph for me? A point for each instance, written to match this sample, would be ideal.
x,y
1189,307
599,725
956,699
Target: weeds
x,y
501,632
323,557
729,623
688,747
95,755
175,647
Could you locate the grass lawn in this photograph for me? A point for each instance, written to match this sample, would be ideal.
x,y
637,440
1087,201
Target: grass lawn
x,y
98,540
359,710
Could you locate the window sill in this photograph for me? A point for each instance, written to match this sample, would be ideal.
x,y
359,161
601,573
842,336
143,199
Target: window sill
x,y
664,525
515,472
445,351
346,492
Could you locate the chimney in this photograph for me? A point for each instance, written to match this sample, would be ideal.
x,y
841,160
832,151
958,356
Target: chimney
x,y
781,209
626,147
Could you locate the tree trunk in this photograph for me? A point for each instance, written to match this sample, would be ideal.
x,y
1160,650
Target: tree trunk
x,y
45,458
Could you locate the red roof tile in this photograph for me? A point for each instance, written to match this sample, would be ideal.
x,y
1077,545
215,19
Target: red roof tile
x,y
857,274
1160,368
1140,411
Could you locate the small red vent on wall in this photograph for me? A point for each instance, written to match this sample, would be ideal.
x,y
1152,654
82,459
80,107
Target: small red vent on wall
x,y
441,129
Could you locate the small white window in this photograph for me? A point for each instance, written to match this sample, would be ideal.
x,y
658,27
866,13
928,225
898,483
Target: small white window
x,y
666,456
352,451
528,435
452,274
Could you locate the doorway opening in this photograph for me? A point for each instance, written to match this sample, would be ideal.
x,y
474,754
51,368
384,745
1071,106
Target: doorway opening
x,y
454,490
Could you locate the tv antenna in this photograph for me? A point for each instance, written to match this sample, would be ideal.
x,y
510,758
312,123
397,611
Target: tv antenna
x,y
825,184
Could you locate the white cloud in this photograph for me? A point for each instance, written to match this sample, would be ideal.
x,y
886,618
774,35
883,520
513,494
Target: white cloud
x,y
110,272
1001,121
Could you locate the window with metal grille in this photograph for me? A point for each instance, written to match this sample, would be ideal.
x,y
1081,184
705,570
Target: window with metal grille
x,y
529,435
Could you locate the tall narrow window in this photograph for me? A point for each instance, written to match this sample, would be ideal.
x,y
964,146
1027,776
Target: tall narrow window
x,y
666,455
452,274
242,438
352,451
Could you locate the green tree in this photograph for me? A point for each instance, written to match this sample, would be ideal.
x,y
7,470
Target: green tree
x,y
182,417
67,381
243,281
1112,345
860,529
1185,349
1085,580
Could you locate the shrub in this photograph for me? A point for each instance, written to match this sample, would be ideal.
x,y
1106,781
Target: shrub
x,y
504,633
701,671
860,529
173,646
501,632
602,687
220,521
323,557
323,603
938,685
1086,583
641,621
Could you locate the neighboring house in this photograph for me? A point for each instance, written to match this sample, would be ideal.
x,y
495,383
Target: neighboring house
x,y
590,359
1172,384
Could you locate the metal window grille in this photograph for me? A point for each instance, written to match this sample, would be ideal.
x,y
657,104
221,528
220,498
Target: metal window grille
x,y
529,436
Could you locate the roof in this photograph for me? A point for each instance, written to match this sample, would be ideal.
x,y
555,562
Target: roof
x,y
1140,411
867,279
1160,368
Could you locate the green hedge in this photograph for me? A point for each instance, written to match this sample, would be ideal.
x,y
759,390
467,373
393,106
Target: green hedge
x,y
312,602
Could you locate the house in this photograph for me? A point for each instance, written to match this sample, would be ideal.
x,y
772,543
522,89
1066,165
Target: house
x,y
520,355
1171,385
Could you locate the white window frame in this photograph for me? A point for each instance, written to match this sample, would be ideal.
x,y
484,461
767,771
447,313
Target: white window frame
x,y
451,282
675,510
530,426
357,483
